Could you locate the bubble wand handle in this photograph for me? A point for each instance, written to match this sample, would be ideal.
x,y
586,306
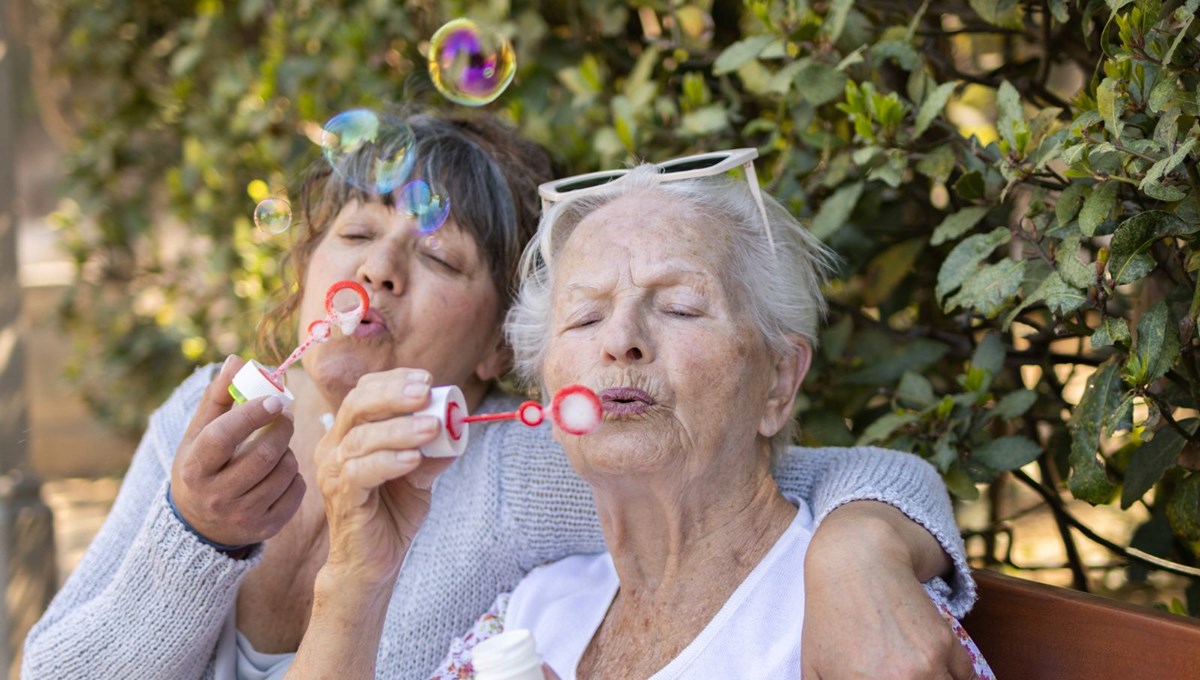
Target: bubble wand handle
x,y
491,417
312,339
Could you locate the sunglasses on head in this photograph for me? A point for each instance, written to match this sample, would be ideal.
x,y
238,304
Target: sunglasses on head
x,y
688,167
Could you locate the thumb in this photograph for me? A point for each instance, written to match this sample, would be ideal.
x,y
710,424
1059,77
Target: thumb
x,y
961,666
216,399
548,672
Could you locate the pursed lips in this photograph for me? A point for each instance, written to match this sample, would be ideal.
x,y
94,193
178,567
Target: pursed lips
x,y
371,324
625,401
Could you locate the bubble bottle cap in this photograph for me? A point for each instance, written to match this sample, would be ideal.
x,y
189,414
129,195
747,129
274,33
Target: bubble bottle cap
x,y
447,404
253,381
511,655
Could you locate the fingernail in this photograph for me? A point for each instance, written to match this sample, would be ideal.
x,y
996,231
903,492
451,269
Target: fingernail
x,y
418,377
413,389
426,424
407,456
273,404
227,360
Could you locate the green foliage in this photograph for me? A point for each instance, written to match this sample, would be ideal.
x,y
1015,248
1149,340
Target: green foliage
x,y
1058,237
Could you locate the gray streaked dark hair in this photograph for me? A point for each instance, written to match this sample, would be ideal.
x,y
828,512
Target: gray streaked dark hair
x,y
782,287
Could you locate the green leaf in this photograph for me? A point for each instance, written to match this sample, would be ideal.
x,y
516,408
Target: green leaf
x,y
1180,33
1111,330
887,269
914,356
1162,93
1166,131
1183,510
1130,259
1011,115
817,82
990,289
937,164
705,121
1152,459
897,50
1014,404
1088,480
1003,13
1097,207
989,354
1069,201
958,224
915,391
931,108
959,483
835,21
963,261
1060,11
1110,102
835,210
1073,271
1007,453
1157,345
882,428
1060,297
1164,167
970,186
740,52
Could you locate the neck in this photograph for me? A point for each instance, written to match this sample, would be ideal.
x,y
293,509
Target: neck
x,y
669,534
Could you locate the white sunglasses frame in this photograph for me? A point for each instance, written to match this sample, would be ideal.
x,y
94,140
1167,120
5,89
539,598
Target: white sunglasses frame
x,y
729,160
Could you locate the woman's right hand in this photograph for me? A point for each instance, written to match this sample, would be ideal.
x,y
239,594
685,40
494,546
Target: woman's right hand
x,y
234,479
375,483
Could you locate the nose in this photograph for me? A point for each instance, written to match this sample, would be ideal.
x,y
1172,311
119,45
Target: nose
x,y
382,269
625,338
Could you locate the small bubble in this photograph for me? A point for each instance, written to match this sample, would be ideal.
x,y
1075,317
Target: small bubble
x,y
432,243
468,65
369,150
428,206
273,215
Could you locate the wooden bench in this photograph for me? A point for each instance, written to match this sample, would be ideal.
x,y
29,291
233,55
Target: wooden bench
x,y
1032,631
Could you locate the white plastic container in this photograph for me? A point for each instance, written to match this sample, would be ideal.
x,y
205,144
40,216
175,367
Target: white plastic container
x,y
252,381
447,404
510,655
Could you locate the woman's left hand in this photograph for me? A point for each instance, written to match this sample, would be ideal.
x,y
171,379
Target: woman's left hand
x,y
373,479
866,614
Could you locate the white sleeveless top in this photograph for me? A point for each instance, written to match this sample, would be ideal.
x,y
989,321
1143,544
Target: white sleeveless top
x,y
237,659
757,628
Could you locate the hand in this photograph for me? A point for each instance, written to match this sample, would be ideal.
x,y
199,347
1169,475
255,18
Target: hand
x,y
548,672
234,479
866,613
374,482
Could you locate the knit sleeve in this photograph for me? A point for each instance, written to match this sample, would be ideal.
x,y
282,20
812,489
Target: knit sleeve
x,y
148,599
457,664
832,477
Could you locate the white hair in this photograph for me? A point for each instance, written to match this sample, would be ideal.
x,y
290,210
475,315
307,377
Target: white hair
x,y
781,286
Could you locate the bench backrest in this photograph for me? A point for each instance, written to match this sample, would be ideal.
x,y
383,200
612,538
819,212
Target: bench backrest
x,y
1030,631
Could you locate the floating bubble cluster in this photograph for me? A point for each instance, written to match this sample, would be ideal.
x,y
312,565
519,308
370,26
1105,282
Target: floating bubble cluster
x,y
428,207
273,215
369,150
468,65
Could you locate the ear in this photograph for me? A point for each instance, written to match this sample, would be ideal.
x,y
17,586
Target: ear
x,y
495,362
787,375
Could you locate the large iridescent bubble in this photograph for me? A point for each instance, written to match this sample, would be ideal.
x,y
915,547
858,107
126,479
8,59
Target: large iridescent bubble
x,y
468,65
273,215
371,151
427,205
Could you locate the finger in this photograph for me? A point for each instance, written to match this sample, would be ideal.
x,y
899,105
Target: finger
x,y
258,456
216,399
270,487
383,395
397,434
288,502
548,672
219,440
424,476
961,666
370,471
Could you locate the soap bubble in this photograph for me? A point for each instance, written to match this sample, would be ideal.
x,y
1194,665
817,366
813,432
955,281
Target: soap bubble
x,y
427,206
273,215
470,66
576,409
369,150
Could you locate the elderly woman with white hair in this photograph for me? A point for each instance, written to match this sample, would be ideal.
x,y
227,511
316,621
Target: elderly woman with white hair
x,y
690,303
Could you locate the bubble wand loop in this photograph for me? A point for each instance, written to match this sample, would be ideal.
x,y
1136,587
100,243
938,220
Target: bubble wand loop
x,y
254,381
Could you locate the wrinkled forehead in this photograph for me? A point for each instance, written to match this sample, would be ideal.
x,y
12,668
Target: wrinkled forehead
x,y
650,231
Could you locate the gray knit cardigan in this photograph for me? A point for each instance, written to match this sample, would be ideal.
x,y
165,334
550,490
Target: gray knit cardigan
x,y
148,599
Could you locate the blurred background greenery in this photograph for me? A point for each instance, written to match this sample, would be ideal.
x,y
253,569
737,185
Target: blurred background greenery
x,y
1012,186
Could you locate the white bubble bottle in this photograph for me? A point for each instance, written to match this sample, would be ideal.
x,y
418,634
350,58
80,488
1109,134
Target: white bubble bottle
x,y
511,655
